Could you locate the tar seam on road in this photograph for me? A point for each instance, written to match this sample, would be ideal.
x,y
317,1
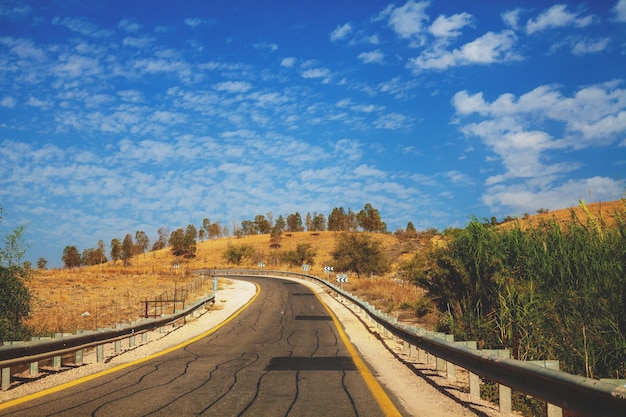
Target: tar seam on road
x,y
79,381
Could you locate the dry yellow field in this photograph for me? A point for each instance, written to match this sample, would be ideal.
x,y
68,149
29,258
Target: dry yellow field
x,y
67,300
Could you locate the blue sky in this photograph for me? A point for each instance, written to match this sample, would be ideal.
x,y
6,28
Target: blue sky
x,y
119,116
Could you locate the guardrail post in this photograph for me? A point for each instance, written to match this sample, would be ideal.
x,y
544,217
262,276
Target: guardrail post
x,y
6,378
440,364
131,341
553,410
99,353
78,357
56,360
33,367
504,392
474,383
474,380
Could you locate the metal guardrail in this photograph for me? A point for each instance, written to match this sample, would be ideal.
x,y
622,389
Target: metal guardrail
x,y
586,396
35,351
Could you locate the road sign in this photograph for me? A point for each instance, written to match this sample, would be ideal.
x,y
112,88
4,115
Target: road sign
x,y
261,265
328,268
342,278
306,267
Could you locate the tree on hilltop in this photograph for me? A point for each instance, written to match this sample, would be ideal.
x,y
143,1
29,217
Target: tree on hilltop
x,y
294,222
262,225
341,221
162,240
71,257
127,249
142,242
116,249
369,219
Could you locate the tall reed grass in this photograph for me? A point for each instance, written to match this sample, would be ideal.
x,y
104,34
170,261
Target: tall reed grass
x,y
548,292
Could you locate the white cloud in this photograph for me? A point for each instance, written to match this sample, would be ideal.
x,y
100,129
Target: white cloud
x,y
194,22
555,17
372,57
15,10
24,48
138,41
397,88
164,65
316,73
450,26
408,20
590,46
266,46
391,121
488,49
7,102
620,11
511,126
593,115
512,17
133,96
341,32
365,170
35,102
348,149
288,62
75,66
129,25
458,177
233,86
82,26
527,198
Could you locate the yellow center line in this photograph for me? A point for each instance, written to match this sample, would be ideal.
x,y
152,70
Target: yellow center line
x,y
384,402
87,378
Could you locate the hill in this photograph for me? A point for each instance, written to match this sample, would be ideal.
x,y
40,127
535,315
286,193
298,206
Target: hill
x,y
603,211
101,296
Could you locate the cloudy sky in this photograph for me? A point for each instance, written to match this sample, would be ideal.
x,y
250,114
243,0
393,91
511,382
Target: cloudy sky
x,y
119,116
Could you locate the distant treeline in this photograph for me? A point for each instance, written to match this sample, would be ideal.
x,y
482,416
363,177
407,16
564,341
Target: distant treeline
x,y
183,242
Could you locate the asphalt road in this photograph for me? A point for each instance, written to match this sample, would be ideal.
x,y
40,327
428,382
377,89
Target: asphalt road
x,y
281,356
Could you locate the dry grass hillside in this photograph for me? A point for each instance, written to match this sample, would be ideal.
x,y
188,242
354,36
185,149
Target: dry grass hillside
x,y
604,211
101,296
66,300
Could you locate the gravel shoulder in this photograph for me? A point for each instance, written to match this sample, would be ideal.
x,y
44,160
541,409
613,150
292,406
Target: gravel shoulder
x,y
417,387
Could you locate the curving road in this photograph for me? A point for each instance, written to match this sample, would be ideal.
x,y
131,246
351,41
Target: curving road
x,y
283,355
